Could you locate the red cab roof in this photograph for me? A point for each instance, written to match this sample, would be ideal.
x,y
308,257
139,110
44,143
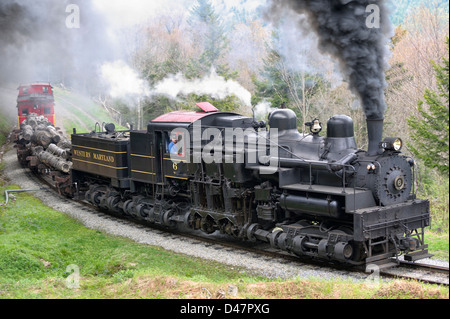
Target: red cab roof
x,y
181,117
187,116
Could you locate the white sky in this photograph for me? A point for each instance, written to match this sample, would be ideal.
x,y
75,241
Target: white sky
x,y
125,13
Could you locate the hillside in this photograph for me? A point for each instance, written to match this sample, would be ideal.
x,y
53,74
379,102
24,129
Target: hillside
x,y
74,110
8,111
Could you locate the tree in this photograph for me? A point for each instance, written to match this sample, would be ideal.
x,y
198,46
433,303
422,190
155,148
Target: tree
x,y
210,39
287,88
161,48
403,8
271,87
431,131
417,42
230,103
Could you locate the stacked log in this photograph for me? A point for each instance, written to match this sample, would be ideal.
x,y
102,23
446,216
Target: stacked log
x,y
46,142
58,151
27,133
52,160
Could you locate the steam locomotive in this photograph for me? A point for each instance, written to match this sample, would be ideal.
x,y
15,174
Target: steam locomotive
x,y
303,193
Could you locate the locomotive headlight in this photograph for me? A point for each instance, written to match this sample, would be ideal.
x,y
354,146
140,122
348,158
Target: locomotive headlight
x,y
398,143
392,144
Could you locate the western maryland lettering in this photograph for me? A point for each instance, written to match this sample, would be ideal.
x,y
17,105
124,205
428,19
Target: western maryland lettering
x,y
103,157
82,154
96,156
100,158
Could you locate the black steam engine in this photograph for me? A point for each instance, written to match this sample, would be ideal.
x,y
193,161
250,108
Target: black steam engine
x,y
222,172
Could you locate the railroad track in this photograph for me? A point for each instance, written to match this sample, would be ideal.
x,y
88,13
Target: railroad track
x,y
427,273
405,270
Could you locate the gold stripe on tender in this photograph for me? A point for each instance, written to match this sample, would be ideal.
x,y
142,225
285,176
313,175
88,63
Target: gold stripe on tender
x,y
176,177
137,155
75,159
100,150
148,173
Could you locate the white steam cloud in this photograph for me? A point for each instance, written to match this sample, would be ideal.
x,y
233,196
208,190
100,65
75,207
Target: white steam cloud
x,y
122,80
262,110
213,85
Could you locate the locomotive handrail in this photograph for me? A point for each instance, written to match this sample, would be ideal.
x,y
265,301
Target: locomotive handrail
x,y
305,161
279,146
291,162
99,128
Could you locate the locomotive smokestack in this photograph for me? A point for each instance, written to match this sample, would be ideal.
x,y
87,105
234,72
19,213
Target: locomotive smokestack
x,y
355,32
375,134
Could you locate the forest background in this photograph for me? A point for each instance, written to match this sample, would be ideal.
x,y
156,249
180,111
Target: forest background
x,y
231,54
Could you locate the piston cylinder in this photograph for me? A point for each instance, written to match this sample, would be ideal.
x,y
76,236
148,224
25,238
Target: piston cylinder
x,y
310,205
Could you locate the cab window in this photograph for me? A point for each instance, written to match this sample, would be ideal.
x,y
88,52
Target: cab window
x,y
175,143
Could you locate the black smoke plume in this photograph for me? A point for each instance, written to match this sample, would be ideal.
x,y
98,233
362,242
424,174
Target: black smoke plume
x,y
344,32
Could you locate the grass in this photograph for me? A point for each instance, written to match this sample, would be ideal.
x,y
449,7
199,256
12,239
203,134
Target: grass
x,y
5,128
37,244
71,123
438,244
435,188
93,109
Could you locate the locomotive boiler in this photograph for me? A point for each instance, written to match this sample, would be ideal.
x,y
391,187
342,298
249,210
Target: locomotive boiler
x,y
304,193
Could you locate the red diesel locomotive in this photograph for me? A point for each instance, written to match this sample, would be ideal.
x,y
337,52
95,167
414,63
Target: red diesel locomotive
x,y
36,98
